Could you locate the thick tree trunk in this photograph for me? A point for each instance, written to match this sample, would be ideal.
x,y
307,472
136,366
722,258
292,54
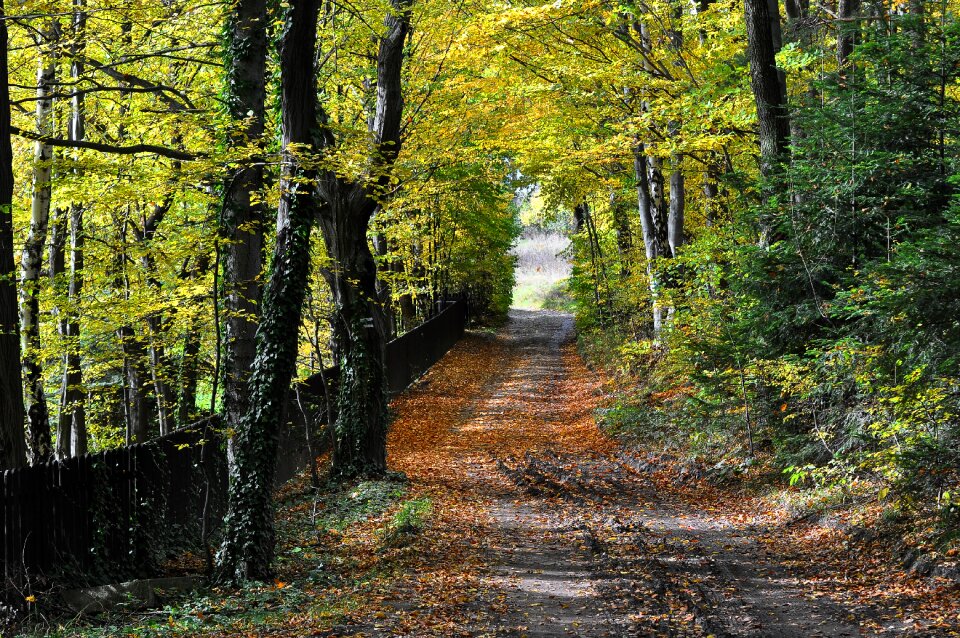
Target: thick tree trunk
x,y
31,261
359,324
359,337
242,222
13,449
248,546
772,120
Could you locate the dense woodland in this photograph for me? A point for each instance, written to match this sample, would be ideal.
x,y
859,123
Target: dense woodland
x,y
763,201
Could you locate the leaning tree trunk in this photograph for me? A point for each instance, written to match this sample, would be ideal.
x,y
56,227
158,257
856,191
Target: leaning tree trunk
x,y
13,448
248,545
31,261
243,218
359,324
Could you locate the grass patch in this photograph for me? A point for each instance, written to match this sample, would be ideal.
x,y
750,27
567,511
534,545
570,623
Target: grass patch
x,y
407,522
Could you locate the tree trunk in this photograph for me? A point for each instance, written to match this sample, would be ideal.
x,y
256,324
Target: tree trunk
x,y
772,120
31,261
248,546
72,394
675,236
56,265
848,30
242,222
138,380
654,242
13,449
359,324
359,329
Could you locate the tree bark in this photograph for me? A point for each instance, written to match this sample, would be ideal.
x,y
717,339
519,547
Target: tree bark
x,y
675,236
56,266
359,323
847,31
72,394
654,237
13,449
31,261
772,120
243,218
248,546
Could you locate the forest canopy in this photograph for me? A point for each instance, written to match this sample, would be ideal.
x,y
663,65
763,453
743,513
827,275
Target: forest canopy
x,y
763,208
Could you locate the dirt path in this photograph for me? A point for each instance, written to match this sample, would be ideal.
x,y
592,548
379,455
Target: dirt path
x,y
544,527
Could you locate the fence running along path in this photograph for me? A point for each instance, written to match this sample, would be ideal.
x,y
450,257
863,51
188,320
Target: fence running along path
x,y
119,514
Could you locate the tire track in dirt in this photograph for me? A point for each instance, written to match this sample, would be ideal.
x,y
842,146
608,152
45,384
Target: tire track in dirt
x,y
544,527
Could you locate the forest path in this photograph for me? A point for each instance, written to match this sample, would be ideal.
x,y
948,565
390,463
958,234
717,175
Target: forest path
x,y
543,526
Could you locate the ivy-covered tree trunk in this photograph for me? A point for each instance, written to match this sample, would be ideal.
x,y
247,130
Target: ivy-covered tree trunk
x,y
13,449
359,324
248,545
359,446
31,261
243,218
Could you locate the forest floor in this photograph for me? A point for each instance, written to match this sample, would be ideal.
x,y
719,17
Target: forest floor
x,y
543,526
520,518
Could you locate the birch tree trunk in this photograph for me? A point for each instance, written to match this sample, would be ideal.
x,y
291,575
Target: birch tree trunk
x,y
31,261
654,240
13,449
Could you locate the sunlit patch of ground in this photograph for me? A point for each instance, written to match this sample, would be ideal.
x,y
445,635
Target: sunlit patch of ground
x,y
542,271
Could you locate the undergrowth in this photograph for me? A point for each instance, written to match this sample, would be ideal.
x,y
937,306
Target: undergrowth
x,y
328,562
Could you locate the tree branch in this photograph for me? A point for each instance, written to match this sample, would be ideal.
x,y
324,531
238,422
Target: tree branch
x,y
132,149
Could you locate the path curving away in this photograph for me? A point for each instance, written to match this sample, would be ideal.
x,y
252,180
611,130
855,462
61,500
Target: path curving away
x,y
544,527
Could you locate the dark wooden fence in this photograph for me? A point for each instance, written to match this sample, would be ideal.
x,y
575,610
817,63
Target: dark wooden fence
x,y
121,513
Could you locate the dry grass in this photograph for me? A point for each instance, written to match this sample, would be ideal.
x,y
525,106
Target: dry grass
x,y
542,269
